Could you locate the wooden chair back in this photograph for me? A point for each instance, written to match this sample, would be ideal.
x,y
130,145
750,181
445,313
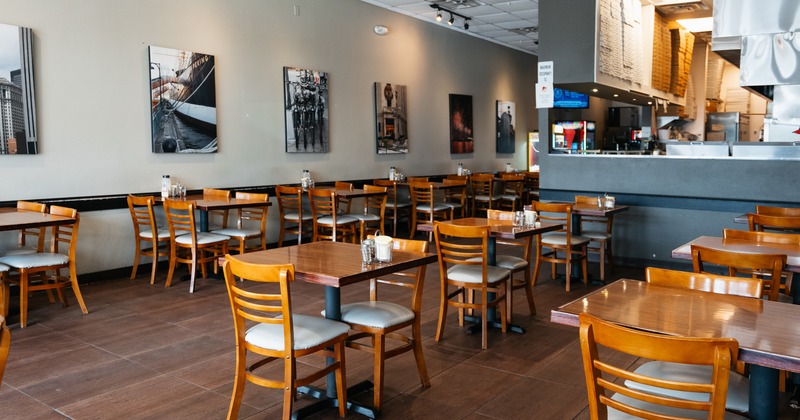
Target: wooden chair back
x,y
344,203
376,203
409,279
422,193
5,345
772,264
604,378
65,236
32,237
324,203
457,244
759,236
143,215
778,211
532,185
764,222
255,216
508,218
602,223
482,184
413,179
180,218
704,282
458,178
221,215
456,195
290,199
560,213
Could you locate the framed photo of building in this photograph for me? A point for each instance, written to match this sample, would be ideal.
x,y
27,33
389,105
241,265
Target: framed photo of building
x,y
306,106
461,140
17,94
391,118
505,127
183,101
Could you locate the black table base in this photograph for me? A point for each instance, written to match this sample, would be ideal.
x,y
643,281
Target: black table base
x,y
325,402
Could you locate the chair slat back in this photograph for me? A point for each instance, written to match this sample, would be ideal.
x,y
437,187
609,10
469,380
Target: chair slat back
x,y
217,194
457,244
376,203
482,184
391,188
513,183
413,179
408,279
778,211
765,237
142,214
422,193
559,213
290,200
323,203
713,283
773,264
255,215
180,218
507,217
36,235
456,194
604,378
66,235
603,223
762,222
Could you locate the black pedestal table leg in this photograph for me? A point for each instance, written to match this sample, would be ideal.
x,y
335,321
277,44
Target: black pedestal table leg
x,y
491,313
763,393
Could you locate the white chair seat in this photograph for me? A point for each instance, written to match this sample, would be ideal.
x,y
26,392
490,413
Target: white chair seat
x,y
436,207
560,239
340,220
296,217
366,217
510,197
398,204
676,412
508,262
3,269
238,233
596,235
163,233
39,259
19,251
485,198
453,205
376,314
309,331
738,398
474,273
202,238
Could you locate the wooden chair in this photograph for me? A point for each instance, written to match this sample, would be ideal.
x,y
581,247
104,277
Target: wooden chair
x,y
573,247
463,265
483,197
31,240
293,219
456,198
251,224
604,378
328,223
344,203
515,264
380,319
25,268
598,230
4,293
395,204
531,186
220,215
374,210
413,179
768,238
513,190
187,244
422,197
778,211
265,326
145,230
764,222
5,345
738,398
773,264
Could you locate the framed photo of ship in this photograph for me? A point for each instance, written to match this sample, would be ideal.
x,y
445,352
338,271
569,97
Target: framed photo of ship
x,y
391,117
505,126
461,140
183,101
305,99
18,107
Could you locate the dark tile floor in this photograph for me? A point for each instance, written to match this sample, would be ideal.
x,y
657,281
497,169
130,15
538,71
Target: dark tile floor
x,y
148,352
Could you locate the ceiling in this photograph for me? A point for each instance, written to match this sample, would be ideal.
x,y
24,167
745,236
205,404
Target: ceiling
x,y
512,23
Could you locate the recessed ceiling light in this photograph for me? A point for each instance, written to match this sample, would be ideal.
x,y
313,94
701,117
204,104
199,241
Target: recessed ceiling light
x,y
649,102
594,90
616,95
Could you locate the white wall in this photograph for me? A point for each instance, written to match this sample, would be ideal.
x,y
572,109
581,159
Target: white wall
x,y
91,67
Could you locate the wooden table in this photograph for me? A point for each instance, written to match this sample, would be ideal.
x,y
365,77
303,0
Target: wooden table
x,y
13,219
684,252
335,265
766,340
205,204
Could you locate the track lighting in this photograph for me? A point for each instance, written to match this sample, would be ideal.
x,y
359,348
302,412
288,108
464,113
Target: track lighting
x,y
439,16
466,25
450,22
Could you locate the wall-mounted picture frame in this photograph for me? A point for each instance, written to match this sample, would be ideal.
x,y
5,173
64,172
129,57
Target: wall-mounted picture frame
x,y
391,115
305,98
17,94
461,139
183,101
506,141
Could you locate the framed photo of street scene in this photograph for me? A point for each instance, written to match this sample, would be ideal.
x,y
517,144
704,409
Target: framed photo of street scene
x,y
183,101
391,116
306,105
18,104
505,126
461,140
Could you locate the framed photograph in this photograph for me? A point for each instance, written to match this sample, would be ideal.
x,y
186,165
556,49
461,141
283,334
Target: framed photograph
x,y
17,95
390,113
183,101
505,127
461,140
305,98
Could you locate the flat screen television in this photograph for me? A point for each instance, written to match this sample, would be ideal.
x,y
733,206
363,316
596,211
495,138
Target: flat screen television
x,y
563,98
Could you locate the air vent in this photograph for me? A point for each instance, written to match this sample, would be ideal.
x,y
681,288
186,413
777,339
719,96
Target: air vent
x,y
457,4
526,30
674,9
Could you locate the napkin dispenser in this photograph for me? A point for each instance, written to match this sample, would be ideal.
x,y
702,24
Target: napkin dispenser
x,y
610,202
383,248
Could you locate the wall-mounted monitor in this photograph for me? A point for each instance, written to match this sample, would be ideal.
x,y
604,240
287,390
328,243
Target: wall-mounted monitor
x,y
563,98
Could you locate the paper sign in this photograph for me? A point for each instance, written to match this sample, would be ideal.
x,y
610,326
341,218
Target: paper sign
x,y
546,72
544,95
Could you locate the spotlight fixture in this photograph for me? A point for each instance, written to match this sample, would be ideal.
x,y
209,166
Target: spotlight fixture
x,y
439,16
453,15
466,25
450,22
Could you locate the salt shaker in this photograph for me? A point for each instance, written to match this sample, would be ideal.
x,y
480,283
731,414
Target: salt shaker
x,y
367,251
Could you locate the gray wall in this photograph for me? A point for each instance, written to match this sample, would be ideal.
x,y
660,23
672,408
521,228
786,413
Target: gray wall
x,y
92,74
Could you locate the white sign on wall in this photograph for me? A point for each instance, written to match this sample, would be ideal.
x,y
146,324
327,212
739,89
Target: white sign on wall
x,y
544,87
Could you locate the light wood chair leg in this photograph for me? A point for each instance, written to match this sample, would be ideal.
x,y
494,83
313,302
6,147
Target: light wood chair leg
x,y
341,380
136,257
23,299
238,383
73,278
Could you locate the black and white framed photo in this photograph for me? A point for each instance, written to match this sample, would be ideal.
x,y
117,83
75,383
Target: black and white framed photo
x,y
17,94
391,113
505,127
306,106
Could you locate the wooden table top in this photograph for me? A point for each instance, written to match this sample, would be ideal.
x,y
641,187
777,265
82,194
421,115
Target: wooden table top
x,y
684,252
499,228
436,185
12,219
765,335
356,193
590,210
335,264
206,204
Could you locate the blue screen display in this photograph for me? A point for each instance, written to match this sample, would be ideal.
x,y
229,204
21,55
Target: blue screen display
x,y
563,98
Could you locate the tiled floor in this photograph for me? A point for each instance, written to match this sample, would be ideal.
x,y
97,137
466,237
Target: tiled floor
x,y
149,352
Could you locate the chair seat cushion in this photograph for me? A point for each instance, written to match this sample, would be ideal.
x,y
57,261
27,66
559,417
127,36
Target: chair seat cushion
x,y
596,235
676,412
436,207
3,269
485,198
508,262
453,205
38,259
163,233
366,217
474,273
560,239
509,197
309,331
20,251
203,238
340,220
295,217
738,386
377,314
238,233
399,204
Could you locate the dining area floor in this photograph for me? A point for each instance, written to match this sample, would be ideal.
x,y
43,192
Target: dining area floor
x,y
145,351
